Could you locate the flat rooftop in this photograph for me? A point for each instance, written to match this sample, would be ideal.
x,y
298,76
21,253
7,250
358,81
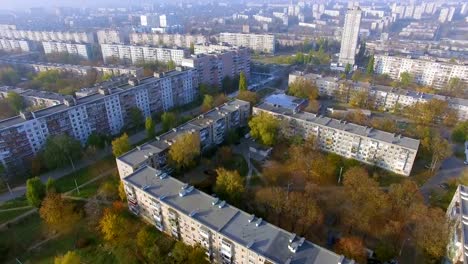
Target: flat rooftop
x,y
265,239
344,126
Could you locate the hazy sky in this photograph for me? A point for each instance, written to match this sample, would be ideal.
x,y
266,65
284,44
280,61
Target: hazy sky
x,y
8,4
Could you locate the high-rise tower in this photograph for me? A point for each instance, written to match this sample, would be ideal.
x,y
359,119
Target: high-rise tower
x,y
350,35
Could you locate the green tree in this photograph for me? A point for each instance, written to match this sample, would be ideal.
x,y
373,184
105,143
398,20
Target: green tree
x,y
58,214
460,132
347,68
35,191
303,88
8,76
114,226
184,151
406,79
171,65
248,96
192,48
61,150
51,186
229,185
208,103
70,257
243,82
370,65
121,145
455,86
169,120
149,127
146,241
96,140
16,101
136,117
265,128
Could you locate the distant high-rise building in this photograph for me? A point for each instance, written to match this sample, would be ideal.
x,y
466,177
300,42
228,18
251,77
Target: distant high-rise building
x,y
350,36
149,20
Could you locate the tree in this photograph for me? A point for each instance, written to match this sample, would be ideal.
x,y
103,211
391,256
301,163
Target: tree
x,y
460,132
303,88
35,191
8,76
61,150
359,99
406,79
431,232
455,86
149,127
265,128
136,116
51,186
58,214
243,82
16,101
169,120
171,65
370,65
70,257
192,48
347,68
121,145
248,96
313,106
6,110
96,140
353,248
275,173
185,150
114,226
108,191
208,103
440,149
303,212
229,185
219,100
146,242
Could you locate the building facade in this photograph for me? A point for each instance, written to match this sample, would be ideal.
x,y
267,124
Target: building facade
x,y
457,215
111,36
16,45
40,36
423,71
82,50
213,67
227,234
386,150
262,43
140,54
170,40
349,38
106,112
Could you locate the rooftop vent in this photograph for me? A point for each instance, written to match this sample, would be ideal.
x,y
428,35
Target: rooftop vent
x,y
162,197
146,187
250,244
251,218
258,222
221,204
291,239
215,201
194,212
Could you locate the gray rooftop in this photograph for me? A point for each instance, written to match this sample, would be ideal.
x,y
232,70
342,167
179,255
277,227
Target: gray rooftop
x,y
285,101
265,239
344,126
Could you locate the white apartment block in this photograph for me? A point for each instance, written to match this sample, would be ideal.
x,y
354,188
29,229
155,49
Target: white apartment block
x,y
227,234
261,18
257,42
327,86
389,151
349,38
110,36
457,215
82,50
170,40
212,128
105,112
40,36
424,72
15,45
139,54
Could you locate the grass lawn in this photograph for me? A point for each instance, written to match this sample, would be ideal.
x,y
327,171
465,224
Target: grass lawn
x,y
67,183
92,188
18,202
6,216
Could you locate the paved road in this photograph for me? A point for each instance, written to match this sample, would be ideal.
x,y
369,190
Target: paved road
x,y
451,169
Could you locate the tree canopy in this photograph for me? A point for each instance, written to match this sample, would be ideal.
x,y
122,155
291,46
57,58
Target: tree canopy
x,y
149,127
243,82
121,145
35,191
229,185
58,214
303,88
61,150
265,128
70,257
185,150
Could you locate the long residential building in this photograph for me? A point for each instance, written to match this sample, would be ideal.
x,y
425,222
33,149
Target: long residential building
x,y
170,40
457,216
385,98
389,151
82,50
105,112
262,43
212,128
227,234
75,69
16,45
138,54
424,71
34,97
213,67
40,36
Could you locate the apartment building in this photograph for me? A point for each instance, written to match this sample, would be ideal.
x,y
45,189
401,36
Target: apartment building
x,y
424,71
212,128
112,36
105,112
228,234
385,98
169,40
262,43
138,54
213,67
366,144
350,35
16,45
204,48
40,36
457,215
75,69
82,50
34,97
